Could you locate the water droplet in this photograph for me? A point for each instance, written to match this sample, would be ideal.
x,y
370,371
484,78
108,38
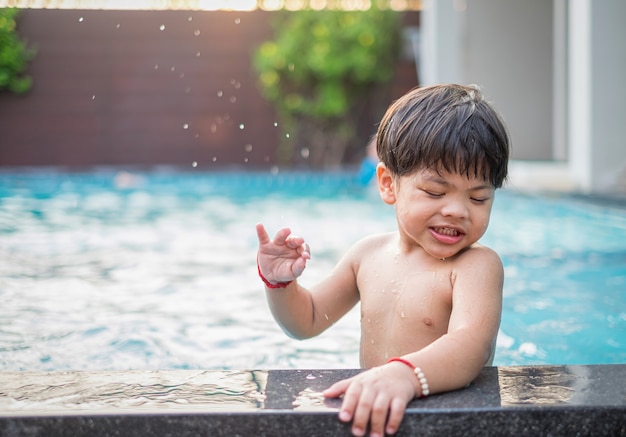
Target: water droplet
x,y
304,152
242,126
237,20
173,68
156,66
402,314
233,99
310,376
245,160
118,26
190,18
186,126
197,54
80,20
287,135
194,164
214,158
93,97
220,93
187,90
213,128
275,124
248,148
291,67
181,75
196,32
162,27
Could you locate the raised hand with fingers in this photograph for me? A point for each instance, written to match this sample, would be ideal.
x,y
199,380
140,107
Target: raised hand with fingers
x,y
282,259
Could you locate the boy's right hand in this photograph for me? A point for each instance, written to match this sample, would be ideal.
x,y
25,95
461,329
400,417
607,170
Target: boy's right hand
x,y
282,259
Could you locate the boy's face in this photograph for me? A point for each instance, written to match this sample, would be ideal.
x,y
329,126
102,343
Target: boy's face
x,y
440,211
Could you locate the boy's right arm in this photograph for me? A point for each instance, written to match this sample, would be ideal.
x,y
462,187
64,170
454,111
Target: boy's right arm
x,y
282,259
300,312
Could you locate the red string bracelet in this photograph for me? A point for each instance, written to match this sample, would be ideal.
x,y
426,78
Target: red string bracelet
x,y
418,372
268,284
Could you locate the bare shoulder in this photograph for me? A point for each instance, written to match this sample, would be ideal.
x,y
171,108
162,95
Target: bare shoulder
x,y
477,283
370,244
375,242
479,257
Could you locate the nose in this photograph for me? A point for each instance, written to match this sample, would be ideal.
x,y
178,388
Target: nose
x,y
455,207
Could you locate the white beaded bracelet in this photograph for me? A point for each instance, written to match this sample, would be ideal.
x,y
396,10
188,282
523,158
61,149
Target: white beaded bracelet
x,y
423,381
418,372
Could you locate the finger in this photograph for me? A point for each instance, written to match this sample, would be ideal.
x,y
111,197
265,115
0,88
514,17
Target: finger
x,y
298,266
294,242
261,234
362,412
350,400
304,251
281,236
337,389
396,413
378,415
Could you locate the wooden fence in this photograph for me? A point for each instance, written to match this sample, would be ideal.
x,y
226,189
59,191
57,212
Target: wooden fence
x,y
145,88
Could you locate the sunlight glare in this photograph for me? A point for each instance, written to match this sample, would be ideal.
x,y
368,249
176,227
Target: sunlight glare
x,y
234,5
214,5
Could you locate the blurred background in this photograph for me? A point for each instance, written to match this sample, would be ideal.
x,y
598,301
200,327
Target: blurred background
x,y
151,83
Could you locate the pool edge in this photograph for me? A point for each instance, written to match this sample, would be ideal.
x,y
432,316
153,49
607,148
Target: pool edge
x,y
515,400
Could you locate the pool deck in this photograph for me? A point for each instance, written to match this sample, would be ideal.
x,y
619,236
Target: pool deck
x,y
526,400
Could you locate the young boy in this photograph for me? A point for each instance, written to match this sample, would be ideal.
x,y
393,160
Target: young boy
x,y
431,296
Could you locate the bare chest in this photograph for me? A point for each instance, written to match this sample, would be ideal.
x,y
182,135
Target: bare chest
x,y
420,296
402,309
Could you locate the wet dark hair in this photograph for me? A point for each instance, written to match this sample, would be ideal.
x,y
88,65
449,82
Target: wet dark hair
x,y
447,128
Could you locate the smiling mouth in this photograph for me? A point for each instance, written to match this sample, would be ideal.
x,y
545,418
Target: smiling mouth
x,y
450,232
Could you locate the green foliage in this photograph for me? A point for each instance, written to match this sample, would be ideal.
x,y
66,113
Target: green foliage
x,y
14,55
322,64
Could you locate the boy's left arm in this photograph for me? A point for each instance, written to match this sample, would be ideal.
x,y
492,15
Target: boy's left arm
x,y
455,359
379,396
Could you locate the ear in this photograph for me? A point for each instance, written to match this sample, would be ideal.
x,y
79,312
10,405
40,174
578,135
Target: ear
x,y
386,186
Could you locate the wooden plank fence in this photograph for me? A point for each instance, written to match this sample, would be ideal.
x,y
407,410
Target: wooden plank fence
x,y
146,88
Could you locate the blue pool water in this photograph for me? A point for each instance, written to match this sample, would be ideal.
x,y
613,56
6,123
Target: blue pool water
x,y
115,270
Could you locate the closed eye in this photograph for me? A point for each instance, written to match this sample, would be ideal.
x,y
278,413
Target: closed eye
x,y
479,199
431,194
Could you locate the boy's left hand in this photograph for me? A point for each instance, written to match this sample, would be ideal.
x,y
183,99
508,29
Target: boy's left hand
x,y
374,397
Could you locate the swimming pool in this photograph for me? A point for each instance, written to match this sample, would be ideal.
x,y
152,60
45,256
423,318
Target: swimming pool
x,y
128,270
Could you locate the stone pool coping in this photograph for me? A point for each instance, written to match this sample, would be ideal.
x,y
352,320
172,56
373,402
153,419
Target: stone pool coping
x,y
524,400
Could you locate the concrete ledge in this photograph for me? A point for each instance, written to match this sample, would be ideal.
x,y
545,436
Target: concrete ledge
x,y
543,400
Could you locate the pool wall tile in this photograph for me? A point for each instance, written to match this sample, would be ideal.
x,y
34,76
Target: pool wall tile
x,y
525,400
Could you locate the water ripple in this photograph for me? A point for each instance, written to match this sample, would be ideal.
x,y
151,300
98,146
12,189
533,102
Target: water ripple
x,y
160,273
